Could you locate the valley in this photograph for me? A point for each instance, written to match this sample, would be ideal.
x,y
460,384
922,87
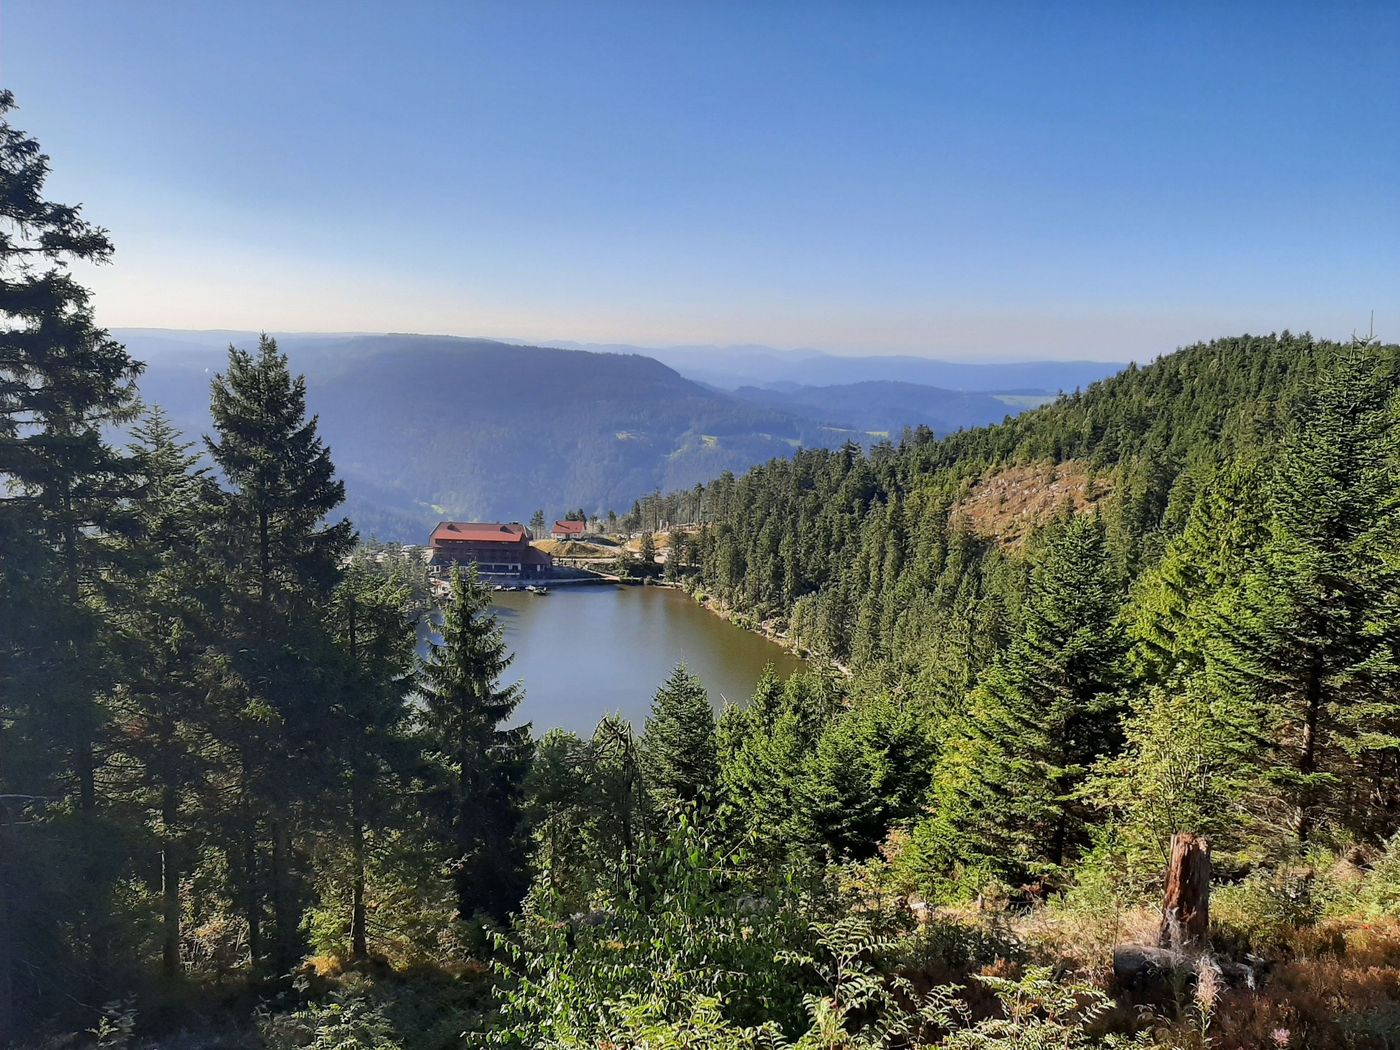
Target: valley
x,y
427,428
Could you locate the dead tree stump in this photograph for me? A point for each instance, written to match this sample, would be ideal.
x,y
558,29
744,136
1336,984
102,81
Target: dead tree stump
x,y
1186,904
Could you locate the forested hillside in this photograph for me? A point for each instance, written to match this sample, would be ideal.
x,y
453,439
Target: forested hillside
x,y
431,427
864,557
729,367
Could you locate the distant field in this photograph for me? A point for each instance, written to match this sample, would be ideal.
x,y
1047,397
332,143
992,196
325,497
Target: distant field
x,y
1024,401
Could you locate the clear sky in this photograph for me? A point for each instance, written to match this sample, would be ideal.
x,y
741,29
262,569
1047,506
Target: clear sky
x,y
954,179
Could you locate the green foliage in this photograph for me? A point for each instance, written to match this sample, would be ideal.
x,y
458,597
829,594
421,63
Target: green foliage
x,y
679,761
478,761
1009,787
1183,767
346,1021
1041,1012
689,932
215,744
65,492
1308,640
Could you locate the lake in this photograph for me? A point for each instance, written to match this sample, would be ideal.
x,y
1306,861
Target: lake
x,y
582,652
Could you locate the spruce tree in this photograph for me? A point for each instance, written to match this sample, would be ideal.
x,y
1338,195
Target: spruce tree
x,y
166,710
64,490
1169,620
838,815
63,487
1043,714
282,484
1308,640
562,812
621,820
373,624
281,564
479,761
679,758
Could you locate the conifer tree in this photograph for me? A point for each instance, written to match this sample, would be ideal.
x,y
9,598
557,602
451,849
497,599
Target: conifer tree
x,y
838,814
1172,603
281,564
621,821
374,628
562,812
166,709
479,761
63,491
679,758
1043,714
1309,639
282,483
63,487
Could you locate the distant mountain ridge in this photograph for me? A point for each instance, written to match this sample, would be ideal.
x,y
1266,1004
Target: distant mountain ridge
x,y
884,407
730,367
429,427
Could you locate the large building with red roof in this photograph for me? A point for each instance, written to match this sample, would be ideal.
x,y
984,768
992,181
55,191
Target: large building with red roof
x,y
502,550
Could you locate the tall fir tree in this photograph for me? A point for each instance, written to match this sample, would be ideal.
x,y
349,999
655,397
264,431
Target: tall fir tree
x,y
281,564
1308,640
1045,712
63,487
373,623
1171,609
479,761
64,490
679,758
167,709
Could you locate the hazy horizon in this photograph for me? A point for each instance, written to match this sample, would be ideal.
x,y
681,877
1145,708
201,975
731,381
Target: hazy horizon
x,y
990,184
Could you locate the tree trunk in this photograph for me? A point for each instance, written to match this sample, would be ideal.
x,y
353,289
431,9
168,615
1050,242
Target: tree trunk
x,y
1186,904
359,942
283,912
170,886
7,962
252,912
1307,759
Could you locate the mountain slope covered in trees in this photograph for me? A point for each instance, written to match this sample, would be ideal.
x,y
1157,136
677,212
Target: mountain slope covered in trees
x,y
848,549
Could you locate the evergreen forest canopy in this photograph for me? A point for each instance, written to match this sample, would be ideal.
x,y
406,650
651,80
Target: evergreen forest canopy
x,y
233,801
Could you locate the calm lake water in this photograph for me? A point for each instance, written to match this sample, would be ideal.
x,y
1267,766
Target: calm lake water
x,y
582,652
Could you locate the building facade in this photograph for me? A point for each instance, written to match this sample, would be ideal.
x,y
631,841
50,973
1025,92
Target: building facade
x,y
495,549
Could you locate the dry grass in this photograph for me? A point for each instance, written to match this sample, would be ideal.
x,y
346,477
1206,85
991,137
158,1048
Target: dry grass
x,y
575,549
1006,505
1339,988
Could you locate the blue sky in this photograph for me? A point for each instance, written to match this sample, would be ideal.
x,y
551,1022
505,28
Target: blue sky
x,y
959,179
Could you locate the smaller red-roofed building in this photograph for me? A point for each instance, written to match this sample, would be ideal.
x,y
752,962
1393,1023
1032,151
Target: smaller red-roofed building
x,y
496,549
568,530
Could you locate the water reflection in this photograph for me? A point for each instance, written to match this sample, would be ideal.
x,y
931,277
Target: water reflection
x,y
584,652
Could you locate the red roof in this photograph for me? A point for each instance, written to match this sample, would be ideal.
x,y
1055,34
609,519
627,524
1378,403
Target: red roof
x,y
569,526
477,532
